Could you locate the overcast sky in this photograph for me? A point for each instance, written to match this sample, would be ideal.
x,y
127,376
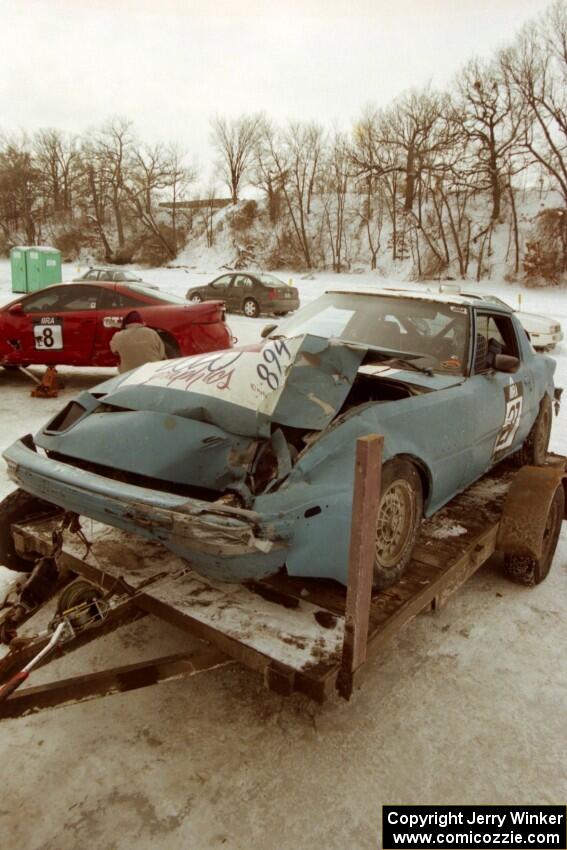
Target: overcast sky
x,y
169,65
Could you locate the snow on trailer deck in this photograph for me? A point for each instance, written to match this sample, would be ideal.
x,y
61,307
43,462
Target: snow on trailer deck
x,y
290,629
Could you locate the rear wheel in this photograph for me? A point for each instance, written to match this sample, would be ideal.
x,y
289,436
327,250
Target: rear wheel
x,y
171,347
19,506
534,449
399,518
531,571
250,308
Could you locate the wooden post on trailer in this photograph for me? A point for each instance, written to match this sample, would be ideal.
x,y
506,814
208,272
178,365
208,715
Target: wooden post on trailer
x,y
365,501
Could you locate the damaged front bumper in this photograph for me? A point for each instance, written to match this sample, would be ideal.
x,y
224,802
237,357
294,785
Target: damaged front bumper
x,y
224,542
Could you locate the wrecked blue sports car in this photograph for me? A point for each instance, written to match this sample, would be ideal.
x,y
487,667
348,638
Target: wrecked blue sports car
x,y
243,461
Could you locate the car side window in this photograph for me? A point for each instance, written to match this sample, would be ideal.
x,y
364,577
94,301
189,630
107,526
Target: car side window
x,y
49,299
92,275
63,299
223,281
243,281
80,298
495,334
112,300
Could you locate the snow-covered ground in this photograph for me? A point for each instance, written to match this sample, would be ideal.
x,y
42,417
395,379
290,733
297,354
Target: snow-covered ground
x,y
464,706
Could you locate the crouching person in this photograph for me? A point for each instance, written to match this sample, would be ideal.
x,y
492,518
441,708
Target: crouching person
x,y
136,344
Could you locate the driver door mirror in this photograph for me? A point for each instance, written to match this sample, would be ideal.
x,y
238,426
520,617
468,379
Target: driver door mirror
x,y
16,309
506,363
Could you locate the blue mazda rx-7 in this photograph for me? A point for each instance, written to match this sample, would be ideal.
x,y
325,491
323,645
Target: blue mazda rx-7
x,y
242,461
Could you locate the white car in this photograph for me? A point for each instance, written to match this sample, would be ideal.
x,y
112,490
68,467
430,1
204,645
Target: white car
x,y
544,332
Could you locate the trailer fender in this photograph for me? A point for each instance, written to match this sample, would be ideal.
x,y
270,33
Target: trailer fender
x,y
526,508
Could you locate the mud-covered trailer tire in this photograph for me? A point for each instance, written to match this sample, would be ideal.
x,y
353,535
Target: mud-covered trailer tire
x,y
531,571
18,507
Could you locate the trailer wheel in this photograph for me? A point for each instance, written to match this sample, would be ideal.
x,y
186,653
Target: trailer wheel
x,y
399,518
534,449
531,571
18,507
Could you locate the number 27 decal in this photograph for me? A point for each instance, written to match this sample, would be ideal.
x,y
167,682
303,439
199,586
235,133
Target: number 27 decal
x,y
514,400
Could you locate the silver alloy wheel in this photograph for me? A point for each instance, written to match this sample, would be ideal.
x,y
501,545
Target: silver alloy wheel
x,y
196,298
396,520
250,308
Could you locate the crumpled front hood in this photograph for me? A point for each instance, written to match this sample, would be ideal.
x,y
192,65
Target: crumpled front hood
x,y
300,382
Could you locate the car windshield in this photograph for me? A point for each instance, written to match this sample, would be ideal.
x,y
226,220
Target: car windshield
x,y
492,299
431,333
270,280
157,295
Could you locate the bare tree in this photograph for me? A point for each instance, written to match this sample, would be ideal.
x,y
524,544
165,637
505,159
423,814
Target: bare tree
x,y
178,178
336,184
379,167
148,176
415,129
114,144
94,192
492,123
20,190
535,69
57,158
295,155
234,141
263,174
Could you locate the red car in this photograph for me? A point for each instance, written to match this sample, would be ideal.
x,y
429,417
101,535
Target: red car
x,y
71,324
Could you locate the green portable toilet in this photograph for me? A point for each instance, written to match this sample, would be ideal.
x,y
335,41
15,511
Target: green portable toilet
x,y
19,276
34,267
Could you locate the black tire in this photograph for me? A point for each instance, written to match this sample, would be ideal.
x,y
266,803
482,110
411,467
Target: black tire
x,y
534,449
18,507
399,519
250,308
196,298
171,348
528,571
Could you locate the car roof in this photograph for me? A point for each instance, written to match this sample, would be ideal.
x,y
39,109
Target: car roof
x,y
411,294
107,269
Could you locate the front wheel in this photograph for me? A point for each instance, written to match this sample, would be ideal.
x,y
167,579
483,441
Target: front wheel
x,y
196,298
399,517
250,308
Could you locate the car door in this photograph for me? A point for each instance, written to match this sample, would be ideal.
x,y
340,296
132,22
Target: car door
x,y
243,288
503,401
58,325
221,289
113,306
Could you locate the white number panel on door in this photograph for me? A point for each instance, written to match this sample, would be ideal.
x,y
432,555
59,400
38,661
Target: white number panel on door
x,y
48,334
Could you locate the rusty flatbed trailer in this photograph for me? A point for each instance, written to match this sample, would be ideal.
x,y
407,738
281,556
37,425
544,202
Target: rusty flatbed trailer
x,y
308,636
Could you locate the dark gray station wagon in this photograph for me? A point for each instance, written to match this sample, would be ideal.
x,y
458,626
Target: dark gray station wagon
x,y
249,293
